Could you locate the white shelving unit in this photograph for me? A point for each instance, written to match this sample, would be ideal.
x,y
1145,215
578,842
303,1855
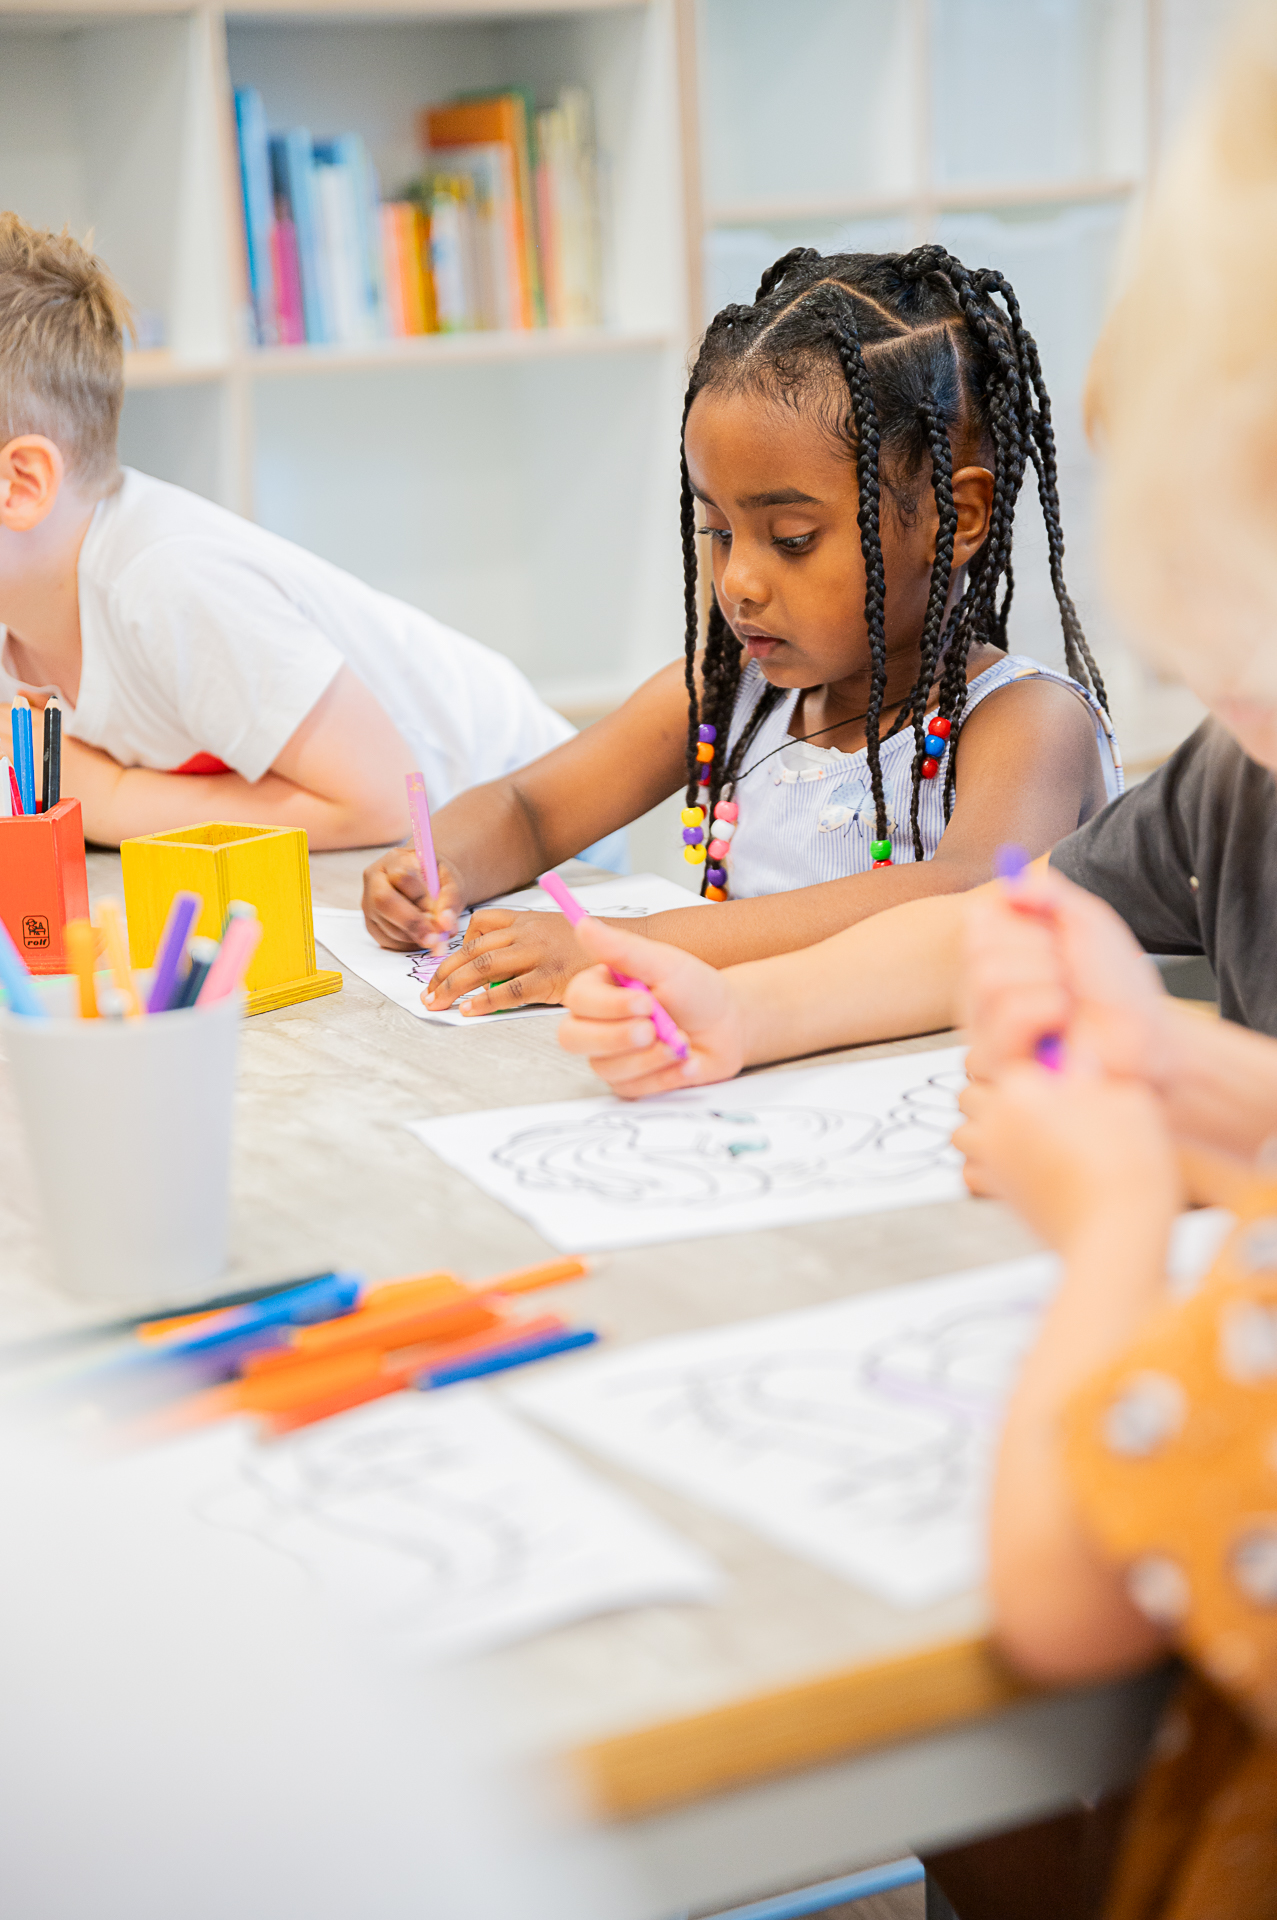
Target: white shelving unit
x,y
517,485
523,486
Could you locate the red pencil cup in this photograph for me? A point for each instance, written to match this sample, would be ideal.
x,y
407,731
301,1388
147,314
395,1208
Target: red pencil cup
x,y
43,882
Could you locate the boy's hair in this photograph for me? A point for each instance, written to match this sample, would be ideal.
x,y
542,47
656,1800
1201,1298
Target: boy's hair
x,y
896,354
62,323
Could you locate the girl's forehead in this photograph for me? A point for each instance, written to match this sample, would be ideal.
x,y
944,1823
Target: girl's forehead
x,y
757,444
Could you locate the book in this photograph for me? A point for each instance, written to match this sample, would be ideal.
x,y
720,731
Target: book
x,y
500,119
568,211
259,211
293,166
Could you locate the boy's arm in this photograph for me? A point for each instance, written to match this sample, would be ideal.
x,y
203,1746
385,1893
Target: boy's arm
x,y
340,776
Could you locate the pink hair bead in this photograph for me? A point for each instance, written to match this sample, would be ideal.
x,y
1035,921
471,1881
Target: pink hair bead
x,y
718,849
726,810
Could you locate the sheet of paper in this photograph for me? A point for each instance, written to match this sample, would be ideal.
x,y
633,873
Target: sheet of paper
x,y
860,1435
438,1522
812,1143
402,976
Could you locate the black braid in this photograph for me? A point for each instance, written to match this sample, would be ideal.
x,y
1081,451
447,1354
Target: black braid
x,y
937,599
926,353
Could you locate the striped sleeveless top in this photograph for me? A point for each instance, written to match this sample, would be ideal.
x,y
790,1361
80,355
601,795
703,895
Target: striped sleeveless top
x,y
807,812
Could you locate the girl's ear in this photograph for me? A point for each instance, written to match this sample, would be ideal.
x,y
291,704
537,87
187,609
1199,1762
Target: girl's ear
x,y
973,500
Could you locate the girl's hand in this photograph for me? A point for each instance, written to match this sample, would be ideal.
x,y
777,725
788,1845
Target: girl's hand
x,y
611,1024
1066,1149
398,911
516,958
1048,958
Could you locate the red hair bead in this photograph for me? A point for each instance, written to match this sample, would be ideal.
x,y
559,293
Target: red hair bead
x,y
941,727
930,768
884,863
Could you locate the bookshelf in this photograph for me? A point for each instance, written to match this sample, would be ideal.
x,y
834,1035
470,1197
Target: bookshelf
x,y
523,485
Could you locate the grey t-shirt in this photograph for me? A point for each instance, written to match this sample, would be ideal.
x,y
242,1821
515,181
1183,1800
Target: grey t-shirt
x,y
1189,860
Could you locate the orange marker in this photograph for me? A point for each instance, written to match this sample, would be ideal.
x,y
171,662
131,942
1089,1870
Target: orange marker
x,y
80,950
117,955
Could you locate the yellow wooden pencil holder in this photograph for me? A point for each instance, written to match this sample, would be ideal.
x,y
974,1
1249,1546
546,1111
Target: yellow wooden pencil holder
x,y
269,867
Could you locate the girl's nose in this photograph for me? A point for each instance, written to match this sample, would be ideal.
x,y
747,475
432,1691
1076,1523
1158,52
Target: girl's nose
x,y
744,581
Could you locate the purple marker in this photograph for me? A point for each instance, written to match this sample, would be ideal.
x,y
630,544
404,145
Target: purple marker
x,y
1010,863
165,990
574,913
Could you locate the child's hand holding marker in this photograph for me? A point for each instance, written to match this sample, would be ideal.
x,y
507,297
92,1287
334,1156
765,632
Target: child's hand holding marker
x,y
1046,960
411,899
614,1024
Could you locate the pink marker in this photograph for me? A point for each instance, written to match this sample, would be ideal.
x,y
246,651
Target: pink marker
x,y
1011,863
239,943
422,838
574,913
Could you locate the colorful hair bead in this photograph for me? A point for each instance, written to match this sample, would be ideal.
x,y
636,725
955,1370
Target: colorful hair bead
x,y
883,863
716,876
707,735
705,753
714,893
880,852
693,816
727,810
941,728
718,849
929,769
692,836
934,745
694,855
723,829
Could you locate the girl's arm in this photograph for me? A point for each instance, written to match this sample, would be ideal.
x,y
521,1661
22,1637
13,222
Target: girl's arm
x,y
341,777
1028,772
1090,1165
497,837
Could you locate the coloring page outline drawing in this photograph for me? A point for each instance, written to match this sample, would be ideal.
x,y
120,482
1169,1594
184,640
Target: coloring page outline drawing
x,y
772,1150
441,1523
859,1435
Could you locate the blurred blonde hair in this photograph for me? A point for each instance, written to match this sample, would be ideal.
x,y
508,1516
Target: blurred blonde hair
x,y
62,325
1182,396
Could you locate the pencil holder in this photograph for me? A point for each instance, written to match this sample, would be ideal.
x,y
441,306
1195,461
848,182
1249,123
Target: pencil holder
x,y
269,867
128,1124
43,882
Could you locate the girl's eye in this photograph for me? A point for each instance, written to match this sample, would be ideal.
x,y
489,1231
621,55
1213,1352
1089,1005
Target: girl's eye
x,y
795,542
715,533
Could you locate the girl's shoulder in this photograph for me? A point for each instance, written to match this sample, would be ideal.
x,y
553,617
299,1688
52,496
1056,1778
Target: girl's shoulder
x,y
1013,668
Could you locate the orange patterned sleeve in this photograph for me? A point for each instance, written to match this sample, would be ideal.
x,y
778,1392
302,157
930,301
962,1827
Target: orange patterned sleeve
x,y
1172,1455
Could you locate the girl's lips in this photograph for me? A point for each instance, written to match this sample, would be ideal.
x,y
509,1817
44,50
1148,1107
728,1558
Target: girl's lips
x,y
760,645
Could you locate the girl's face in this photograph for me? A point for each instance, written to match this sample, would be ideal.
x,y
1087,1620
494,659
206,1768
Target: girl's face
x,y
780,502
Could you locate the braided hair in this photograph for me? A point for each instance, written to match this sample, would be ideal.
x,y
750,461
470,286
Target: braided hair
x,y
925,354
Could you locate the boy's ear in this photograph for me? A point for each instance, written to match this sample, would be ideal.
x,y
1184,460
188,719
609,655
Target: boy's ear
x,y
31,474
973,498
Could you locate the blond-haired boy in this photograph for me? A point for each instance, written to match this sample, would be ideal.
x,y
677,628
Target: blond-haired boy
x,y
186,641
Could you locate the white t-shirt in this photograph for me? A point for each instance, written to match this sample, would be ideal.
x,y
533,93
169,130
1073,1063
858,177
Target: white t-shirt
x,y
205,638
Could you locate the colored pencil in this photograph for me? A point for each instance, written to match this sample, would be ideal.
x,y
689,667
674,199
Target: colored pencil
x,y
23,751
422,837
7,808
517,1354
117,955
165,985
81,950
203,952
15,792
52,786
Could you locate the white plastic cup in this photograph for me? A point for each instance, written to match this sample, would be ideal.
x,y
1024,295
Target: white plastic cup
x,y
128,1123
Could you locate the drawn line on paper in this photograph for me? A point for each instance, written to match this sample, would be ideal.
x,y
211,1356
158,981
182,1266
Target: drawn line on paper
x,y
676,1156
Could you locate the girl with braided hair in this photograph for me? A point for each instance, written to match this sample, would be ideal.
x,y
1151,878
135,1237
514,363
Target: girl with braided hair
x,y
851,732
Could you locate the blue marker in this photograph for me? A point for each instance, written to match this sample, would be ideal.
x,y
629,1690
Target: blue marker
x,y
497,1359
15,979
23,752
1010,863
325,1299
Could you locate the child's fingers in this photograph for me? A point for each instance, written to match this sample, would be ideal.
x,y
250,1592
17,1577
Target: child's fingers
x,y
594,995
537,987
693,993
637,1075
390,915
607,1039
473,965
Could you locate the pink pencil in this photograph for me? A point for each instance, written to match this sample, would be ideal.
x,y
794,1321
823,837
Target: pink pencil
x,y
573,912
422,838
239,943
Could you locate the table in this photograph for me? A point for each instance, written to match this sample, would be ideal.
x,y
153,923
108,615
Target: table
x,y
796,1729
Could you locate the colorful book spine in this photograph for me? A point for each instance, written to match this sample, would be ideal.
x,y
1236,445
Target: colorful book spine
x,y
259,212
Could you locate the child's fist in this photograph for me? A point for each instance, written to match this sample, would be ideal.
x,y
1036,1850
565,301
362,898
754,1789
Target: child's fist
x,y
398,910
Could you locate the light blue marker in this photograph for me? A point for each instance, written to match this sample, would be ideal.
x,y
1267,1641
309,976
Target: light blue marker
x,y
16,981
